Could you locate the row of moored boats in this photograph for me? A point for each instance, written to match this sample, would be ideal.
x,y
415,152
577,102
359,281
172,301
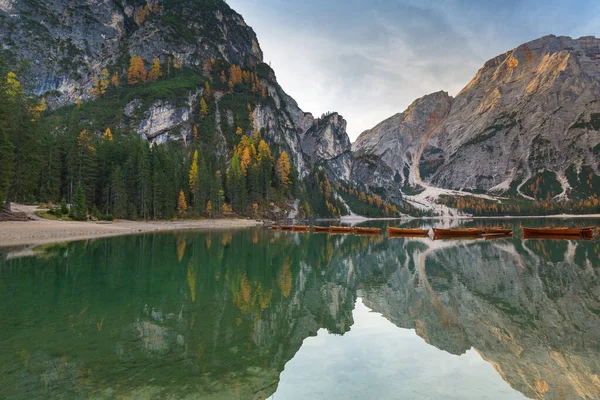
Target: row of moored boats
x,y
489,233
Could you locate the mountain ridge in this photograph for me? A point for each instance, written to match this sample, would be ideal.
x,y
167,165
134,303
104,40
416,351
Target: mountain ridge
x,y
552,80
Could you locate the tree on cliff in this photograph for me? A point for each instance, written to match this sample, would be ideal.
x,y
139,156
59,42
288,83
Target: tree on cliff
x,y
203,108
137,71
156,70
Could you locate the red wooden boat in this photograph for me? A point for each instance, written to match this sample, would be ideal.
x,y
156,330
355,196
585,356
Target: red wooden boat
x,y
275,227
407,232
587,233
286,228
320,228
299,228
498,231
341,229
458,233
367,231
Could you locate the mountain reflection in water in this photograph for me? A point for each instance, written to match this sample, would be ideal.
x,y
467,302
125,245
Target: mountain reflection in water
x,y
219,315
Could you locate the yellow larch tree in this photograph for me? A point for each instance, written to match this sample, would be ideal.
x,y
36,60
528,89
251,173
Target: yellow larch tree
x,y
181,205
283,170
115,80
203,108
193,175
107,135
156,70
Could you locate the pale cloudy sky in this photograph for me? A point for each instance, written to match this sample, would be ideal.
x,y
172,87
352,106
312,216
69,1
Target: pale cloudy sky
x,y
370,59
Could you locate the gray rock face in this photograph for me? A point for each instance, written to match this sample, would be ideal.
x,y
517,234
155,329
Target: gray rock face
x,y
530,110
400,140
69,42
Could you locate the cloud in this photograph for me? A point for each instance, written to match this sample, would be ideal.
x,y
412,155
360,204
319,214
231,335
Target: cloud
x,y
370,60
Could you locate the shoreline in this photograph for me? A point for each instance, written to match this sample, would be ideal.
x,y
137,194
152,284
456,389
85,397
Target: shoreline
x,y
39,232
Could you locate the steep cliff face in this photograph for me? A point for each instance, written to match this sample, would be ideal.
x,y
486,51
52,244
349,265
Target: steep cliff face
x,y
67,43
530,112
401,140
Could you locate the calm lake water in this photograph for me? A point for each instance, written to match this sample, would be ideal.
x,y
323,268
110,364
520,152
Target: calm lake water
x,y
259,314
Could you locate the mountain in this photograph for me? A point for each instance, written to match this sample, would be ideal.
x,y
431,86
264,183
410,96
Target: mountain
x,y
78,56
63,49
526,125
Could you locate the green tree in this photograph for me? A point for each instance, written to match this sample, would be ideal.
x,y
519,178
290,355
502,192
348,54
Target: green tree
x,y
79,207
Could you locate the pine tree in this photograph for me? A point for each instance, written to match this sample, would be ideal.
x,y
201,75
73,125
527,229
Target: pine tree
x,y
265,161
218,195
118,193
235,184
156,70
79,207
21,130
6,161
203,108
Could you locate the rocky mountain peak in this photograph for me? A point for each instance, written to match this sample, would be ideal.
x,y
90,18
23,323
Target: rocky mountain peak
x,y
527,113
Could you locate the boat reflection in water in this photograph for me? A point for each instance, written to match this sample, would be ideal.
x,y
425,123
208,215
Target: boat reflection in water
x,y
222,315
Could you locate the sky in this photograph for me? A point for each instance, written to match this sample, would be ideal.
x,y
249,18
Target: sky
x,y
370,59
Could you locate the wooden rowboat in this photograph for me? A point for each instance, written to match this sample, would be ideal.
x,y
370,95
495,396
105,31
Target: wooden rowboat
x,y
340,229
407,232
498,231
320,228
367,231
286,228
458,233
492,236
558,237
564,232
275,227
299,228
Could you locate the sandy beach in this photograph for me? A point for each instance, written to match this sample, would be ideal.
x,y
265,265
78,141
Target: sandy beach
x,y
40,231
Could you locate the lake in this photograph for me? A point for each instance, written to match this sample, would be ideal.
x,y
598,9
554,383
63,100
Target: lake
x,y
259,314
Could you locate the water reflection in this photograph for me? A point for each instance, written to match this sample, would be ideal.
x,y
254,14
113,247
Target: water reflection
x,y
220,315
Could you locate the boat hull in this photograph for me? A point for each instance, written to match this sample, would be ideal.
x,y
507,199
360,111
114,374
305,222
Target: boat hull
x,y
457,233
301,228
498,231
367,231
562,232
321,229
340,229
407,232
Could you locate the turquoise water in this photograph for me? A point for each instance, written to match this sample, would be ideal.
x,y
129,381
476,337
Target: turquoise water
x,y
259,314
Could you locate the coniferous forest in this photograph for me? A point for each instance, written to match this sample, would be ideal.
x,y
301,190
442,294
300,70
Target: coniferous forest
x,y
78,155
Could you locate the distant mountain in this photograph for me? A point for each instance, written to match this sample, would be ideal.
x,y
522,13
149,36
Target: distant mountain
x,y
528,124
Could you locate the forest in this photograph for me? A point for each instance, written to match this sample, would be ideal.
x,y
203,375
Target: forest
x,y
81,155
